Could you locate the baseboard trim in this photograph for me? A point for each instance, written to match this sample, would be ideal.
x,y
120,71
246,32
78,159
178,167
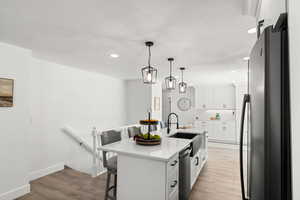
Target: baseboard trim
x,y
223,145
15,193
44,172
100,173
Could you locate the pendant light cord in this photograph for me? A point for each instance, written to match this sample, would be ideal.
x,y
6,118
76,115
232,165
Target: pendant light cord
x,y
170,68
149,57
181,75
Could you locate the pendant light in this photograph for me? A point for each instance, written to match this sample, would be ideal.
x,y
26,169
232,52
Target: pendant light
x,y
149,73
170,80
182,85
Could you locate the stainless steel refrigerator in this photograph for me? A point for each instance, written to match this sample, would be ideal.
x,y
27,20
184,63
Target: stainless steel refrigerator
x,y
269,155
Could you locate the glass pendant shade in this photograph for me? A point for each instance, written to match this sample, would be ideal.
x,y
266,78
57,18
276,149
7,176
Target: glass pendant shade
x,y
149,74
182,85
170,80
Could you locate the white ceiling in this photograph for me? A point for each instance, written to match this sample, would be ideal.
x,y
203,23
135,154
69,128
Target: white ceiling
x,y
209,37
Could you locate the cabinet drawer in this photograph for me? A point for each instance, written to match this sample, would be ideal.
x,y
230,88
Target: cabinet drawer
x,y
174,195
173,165
195,165
173,182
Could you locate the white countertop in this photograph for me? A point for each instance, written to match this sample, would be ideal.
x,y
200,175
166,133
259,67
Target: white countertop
x,y
163,152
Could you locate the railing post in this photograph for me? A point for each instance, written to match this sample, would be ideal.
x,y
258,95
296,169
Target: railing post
x,y
95,166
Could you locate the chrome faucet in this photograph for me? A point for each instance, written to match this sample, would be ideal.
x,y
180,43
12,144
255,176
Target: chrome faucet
x,y
169,122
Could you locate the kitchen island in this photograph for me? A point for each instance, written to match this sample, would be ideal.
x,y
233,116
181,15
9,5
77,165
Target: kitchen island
x,y
152,172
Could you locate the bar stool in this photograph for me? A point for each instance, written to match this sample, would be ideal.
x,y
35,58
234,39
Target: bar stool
x,y
162,125
110,164
133,131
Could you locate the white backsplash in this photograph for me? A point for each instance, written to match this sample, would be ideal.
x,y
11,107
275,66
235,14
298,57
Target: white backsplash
x,y
205,115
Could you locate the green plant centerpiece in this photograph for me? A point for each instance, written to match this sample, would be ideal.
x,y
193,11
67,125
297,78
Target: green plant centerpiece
x,y
148,138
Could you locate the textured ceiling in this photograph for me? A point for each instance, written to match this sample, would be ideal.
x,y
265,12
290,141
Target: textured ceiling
x,y
209,37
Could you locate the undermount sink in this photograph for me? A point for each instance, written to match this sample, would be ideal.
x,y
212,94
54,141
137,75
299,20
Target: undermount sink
x,y
184,135
196,140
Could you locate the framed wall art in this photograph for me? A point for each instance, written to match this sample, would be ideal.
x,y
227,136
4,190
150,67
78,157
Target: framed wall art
x,y
6,92
156,103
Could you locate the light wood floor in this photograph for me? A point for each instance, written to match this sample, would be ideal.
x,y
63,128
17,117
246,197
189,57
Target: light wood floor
x,y
219,180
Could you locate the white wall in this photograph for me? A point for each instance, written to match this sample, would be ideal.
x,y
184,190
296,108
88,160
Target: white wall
x,y
185,117
49,96
294,42
63,96
156,91
138,100
14,123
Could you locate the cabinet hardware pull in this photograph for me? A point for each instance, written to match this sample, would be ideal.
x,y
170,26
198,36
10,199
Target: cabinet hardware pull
x,y
197,158
174,163
174,184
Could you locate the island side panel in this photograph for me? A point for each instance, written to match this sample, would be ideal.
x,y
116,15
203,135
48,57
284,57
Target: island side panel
x,y
140,178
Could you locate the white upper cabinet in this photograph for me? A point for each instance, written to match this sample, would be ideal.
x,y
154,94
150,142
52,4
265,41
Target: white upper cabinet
x,y
215,97
224,97
203,97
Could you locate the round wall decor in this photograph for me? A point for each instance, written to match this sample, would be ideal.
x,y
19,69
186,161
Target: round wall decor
x,y
184,104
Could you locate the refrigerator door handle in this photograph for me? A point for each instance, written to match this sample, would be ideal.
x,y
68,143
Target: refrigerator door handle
x,y
245,101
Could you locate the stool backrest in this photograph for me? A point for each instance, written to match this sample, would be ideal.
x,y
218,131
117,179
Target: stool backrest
x,y
109,137
133,131
162,124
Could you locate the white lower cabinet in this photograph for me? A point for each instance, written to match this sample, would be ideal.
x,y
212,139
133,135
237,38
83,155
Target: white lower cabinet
x,y
147,179
195,168
197,162
172,178
174,195
223,131
172,182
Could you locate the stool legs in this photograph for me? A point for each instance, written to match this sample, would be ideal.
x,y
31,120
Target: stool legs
x,y
115,185
108,187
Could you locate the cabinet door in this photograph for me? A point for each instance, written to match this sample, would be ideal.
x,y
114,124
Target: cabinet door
x,y
174,195
225,131
218,130
195,167
231,131
201,125
193,170
211,130
198,163
203,97
224,97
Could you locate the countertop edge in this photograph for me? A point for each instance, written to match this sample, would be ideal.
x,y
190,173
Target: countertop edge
x,y
102,148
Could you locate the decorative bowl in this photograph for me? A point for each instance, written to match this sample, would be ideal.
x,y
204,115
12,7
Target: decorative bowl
x,y
149,122
147,142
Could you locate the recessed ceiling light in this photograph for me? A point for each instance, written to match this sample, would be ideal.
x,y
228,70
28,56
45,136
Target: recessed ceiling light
x,y
246,58
252,30
233,71
114,55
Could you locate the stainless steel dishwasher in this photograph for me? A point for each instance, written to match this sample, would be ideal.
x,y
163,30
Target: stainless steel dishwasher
x,y
185,173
